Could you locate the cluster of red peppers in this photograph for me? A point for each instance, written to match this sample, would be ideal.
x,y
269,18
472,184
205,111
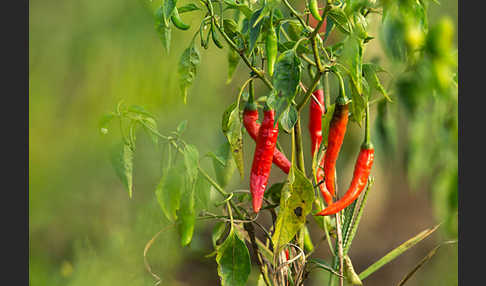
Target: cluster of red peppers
x,y
327,167
265,136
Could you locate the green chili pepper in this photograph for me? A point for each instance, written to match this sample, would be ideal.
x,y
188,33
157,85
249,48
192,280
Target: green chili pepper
x,y
314,9
215,36
271,47
177,21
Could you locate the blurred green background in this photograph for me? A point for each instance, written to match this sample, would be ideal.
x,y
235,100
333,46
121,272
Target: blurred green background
x,y
85,56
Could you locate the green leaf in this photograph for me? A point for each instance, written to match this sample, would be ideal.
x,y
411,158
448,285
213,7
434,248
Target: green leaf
x,y
187,213
370,71
340,19
122,161
169,191
224,167
295,204
233,260
274,192
218,232
396,252
289,118
188,8
164,30
168,8
231,126
254,30
233,60
349,272
202,193
181,127
191,161
188,65
294,29
286,78
150,126
242,7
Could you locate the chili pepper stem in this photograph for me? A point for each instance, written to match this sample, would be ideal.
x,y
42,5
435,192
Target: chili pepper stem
x,y
367,125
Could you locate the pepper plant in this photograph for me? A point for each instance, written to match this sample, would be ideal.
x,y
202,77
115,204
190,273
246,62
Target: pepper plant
x,y
301,54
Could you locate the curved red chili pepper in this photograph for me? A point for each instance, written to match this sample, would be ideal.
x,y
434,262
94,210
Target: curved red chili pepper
x,y
262,159
316,111
337,130
250,117
361,173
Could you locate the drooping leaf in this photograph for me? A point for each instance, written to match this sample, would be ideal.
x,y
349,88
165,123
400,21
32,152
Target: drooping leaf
x,y
181,127
122,162
233,60
169,191
254,29
188,65
168,8
231,126
140,110
287,74
295,204
163,29
289,118
150,126
202,193
340,19
191,161
233,260
224,167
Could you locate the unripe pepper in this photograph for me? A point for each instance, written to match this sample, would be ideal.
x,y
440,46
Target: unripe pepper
x,y
316,111
250,117
361,173
263,156
337,130
271,47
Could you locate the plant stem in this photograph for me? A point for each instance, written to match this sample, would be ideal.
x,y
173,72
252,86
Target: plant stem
x,y
308,94
340,247
299,150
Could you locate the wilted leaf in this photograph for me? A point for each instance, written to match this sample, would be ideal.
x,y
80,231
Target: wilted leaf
x,y
188,65
231,126
122,161
295,204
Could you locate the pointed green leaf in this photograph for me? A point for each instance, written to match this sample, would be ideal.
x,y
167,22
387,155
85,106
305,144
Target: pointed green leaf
x,y
242,7
150,126
168,9
231,126
233,260
289,118
181,127
370,71
396,252
188,65
224,167
254,30
233,60
202,193
340,19
287,74
191,161
169,191
295,204
162,28
122,161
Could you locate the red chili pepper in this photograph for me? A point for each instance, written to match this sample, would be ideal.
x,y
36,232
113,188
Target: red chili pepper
x,y
286,254
250,117
315,129
263,156
337,129
316,111
361,173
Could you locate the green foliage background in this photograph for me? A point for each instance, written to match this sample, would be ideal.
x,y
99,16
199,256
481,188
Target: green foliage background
x,y
85,56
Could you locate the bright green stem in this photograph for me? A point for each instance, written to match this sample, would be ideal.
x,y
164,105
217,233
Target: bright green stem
x,y
367,124
308,94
